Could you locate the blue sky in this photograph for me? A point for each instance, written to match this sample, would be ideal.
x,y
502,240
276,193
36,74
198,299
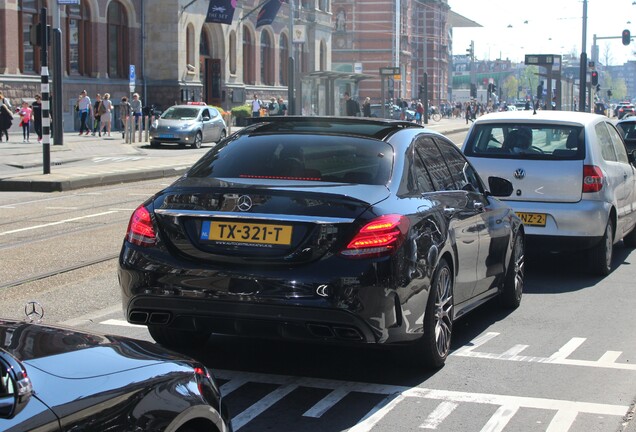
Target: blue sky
x,y
513,28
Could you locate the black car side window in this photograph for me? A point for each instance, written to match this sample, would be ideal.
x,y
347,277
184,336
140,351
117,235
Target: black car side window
x,y
463,173
434,163
618,144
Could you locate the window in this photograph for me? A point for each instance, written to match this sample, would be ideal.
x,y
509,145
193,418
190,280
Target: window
x,y
463,174
29,16
605,142
233,52
249,76
78,40
267,59
190,45
284,59
435,164
323,55
118,41
526,141
617,143
324,5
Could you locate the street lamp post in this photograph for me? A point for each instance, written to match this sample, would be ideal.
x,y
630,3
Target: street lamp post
x,y
583,65
291,67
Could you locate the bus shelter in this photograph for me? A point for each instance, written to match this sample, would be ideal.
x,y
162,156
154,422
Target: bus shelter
x,y
322,92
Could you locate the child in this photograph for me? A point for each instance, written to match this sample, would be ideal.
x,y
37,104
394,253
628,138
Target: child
x,y
25,118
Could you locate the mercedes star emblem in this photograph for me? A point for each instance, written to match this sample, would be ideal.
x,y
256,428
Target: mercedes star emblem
x,y
244,203
34,312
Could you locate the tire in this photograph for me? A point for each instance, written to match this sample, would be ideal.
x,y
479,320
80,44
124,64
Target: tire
x,y
222,136
512,290
178,340
436,117
198,139
434,346
600,256
629,240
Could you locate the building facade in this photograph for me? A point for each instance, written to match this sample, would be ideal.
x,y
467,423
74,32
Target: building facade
x,y
177,55
412,35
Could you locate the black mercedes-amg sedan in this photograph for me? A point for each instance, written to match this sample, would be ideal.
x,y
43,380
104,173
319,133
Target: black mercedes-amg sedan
x,y
343,230
61,379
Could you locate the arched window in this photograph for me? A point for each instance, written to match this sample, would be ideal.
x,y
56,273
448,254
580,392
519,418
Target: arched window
x,y
29,15
233,52
79,60
267,59
284,59
204,53
249,77
118,41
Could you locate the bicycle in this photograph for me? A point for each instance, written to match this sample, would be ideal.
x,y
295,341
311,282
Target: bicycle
x,y
436,116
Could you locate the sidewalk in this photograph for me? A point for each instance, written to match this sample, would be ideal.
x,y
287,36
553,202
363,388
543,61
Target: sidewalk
x,y
87,161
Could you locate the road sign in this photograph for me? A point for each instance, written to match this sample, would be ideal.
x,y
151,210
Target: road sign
x,y
131,74
390,71
539,59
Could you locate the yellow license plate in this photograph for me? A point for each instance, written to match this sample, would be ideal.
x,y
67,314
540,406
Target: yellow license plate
x,y
534,219
246,232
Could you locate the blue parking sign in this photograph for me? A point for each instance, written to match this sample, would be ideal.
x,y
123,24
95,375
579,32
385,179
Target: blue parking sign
x,y
131,74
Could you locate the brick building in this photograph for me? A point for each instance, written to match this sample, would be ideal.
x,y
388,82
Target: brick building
x,y
177,55
367,39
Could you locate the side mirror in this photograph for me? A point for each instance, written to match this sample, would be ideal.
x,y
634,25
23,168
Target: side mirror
x,y
500,187
206,118
15,386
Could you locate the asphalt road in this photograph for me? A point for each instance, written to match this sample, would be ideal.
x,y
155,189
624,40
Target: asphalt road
x,y
564,361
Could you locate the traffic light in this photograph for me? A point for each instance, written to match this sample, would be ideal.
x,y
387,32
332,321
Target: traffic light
x,y
626,37
473,90
540,90
35,36
598,88
609,93
594,78
420,95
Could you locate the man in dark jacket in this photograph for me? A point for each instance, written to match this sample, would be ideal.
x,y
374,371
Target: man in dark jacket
x,y
352,107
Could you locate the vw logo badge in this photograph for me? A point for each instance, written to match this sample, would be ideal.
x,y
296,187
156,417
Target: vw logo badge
x,y
34,312
520,173
244,203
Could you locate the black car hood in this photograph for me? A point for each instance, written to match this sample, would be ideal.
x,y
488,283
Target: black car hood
x,y
68,353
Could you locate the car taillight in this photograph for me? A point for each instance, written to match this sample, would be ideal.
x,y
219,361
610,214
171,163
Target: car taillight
x,y
382,236
140,230
592,178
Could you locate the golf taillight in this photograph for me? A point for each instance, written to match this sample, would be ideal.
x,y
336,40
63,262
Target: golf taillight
x,y
140,230
592,178
382,236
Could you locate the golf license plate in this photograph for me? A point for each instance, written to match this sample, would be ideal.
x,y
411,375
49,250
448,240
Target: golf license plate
x,y
532,219
240,232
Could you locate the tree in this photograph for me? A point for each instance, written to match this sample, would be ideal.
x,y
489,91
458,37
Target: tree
x,y
619,89
530,79
607,54
510,88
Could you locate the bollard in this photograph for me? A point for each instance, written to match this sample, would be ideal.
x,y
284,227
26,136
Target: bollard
x,y
140,123
146,129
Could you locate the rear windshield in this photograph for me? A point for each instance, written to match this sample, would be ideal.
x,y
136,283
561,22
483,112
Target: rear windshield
x,y
306,157
527,141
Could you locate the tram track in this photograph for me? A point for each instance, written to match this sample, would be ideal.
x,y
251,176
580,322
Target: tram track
x,y
56,272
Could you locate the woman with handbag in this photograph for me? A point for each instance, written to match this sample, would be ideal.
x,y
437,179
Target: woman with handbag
x,y
6,120
105,116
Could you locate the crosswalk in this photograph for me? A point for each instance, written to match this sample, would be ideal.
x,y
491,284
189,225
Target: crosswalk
x,y
443,408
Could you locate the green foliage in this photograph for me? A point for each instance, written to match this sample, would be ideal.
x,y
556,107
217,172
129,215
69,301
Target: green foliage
x,y
242,111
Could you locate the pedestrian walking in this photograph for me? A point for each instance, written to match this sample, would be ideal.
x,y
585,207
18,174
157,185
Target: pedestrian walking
x,y
97,107
36,107
25,120
366,107
83,107
124,114
273,107
106,117
137,110
6,101
282,107
256,106
6,120
352,107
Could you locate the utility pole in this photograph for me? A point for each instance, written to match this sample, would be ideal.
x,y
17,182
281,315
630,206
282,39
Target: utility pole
x,y
583,65
291,67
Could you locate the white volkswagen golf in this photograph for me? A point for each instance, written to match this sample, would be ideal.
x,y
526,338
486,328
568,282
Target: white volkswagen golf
x,y
574,182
